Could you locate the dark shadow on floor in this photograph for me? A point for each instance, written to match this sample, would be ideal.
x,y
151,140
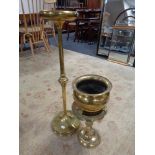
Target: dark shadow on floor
x,y
80,47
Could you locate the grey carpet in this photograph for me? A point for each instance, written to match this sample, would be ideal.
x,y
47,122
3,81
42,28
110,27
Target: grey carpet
x,y
79,47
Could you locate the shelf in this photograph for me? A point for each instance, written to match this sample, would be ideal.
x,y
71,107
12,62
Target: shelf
x,y
120,50
104,48
121,27
121,42
123,36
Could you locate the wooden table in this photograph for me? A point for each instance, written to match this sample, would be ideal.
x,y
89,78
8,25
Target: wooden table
x,y
88,31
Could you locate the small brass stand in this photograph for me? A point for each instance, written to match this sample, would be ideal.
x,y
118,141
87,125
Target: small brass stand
x,y
91,93
65,123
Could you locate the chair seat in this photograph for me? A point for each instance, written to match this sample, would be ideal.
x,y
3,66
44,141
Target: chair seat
x,y
30,29
48,26
81,23
72,24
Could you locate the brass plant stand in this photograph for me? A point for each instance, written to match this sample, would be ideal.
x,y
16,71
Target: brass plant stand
x,y
65,123
91,94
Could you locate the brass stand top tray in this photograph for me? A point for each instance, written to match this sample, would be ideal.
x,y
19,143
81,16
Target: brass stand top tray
x,y
58,15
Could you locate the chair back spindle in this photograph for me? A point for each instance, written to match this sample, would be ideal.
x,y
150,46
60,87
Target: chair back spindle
x,y
24,17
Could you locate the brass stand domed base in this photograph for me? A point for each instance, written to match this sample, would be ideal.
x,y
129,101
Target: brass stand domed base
x,y
89,138
65,124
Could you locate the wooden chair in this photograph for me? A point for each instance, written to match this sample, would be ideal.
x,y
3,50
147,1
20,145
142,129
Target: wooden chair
x,y
82,25
81,5
71,27
74,4
33,29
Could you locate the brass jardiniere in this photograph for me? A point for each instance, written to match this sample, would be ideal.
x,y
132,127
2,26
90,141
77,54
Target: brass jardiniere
x,y
91,94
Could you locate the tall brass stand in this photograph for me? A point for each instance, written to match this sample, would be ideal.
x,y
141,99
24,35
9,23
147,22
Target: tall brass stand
x,y
65,123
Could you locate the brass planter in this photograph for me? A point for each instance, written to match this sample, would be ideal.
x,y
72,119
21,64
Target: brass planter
x,y
91,94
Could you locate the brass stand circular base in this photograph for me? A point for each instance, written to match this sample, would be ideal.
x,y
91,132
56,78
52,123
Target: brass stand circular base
x,y
65,124
89,139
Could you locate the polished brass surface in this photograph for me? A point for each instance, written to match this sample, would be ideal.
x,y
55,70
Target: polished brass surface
x,y
65,123
79,113
91,93
91,102
58,15
88,136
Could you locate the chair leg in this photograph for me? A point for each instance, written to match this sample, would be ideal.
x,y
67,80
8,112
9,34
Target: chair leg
x,y
54,36
31,46
56,43
46,44
48,39
21,44
75,36
68,34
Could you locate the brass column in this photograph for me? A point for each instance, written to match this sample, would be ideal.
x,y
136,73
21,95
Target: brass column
x,y
63,79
